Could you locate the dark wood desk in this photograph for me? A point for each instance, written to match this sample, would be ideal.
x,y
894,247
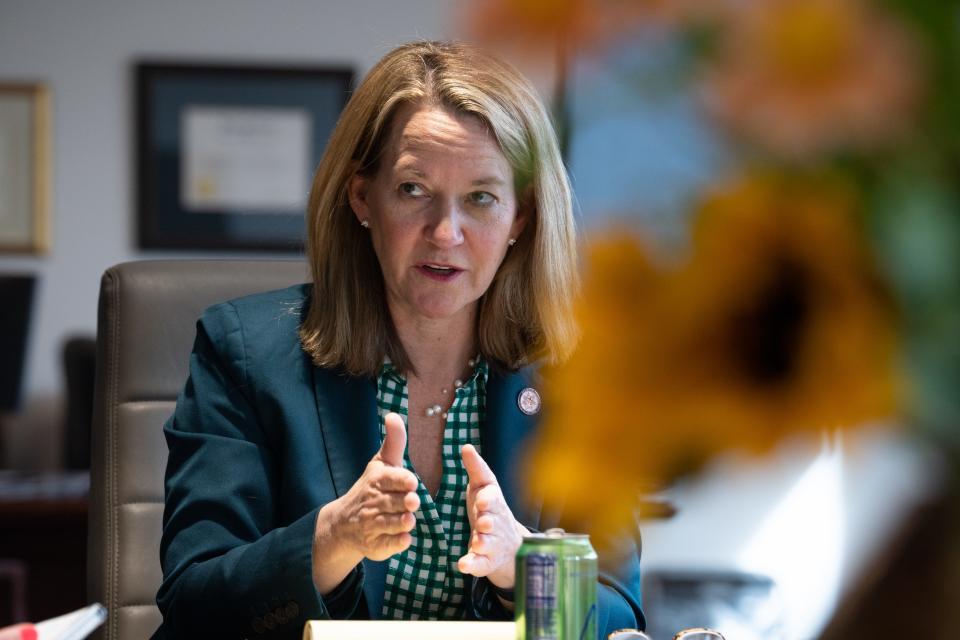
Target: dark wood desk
x,y
43,529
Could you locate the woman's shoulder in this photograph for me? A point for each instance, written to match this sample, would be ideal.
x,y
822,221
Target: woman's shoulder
x,y
269,303
524,374
260,321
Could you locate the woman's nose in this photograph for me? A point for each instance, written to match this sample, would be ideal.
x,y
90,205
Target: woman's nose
x,y
445,228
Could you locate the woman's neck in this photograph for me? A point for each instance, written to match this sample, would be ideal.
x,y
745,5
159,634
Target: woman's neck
x,y
438,349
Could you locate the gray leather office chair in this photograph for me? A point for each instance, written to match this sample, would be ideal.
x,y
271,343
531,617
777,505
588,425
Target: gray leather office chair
x,y
145,332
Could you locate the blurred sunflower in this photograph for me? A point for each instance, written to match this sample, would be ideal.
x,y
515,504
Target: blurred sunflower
x,y
800,77
776,324
594,427
782,311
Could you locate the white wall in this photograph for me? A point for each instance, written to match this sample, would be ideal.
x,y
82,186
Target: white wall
x,y
84,51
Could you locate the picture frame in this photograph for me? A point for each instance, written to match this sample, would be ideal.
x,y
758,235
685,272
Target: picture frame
x,y
226,153
24,168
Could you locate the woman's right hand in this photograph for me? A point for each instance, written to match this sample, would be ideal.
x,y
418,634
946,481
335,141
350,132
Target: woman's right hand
x,y
376,515
373,519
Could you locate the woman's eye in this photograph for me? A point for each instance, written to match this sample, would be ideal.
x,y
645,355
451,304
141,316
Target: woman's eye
x,y
411,189
482,198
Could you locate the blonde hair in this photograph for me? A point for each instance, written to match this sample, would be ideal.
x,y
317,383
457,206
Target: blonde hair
x,y
526,313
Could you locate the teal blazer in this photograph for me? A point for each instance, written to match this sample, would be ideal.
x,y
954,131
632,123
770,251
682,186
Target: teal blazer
x,y
260,439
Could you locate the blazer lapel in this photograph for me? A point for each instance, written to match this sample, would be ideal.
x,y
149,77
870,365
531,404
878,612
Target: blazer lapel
x,y
347,408
504,439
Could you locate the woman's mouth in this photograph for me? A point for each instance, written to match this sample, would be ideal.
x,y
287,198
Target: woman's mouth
x,y
440,272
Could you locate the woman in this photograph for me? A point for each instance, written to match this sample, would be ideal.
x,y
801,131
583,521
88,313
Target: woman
x,y
442,247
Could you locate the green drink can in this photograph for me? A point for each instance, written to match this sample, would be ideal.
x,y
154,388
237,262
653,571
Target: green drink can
x,y
556,587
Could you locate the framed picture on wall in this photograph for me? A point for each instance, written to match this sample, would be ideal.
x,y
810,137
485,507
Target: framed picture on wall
x,y
24,167
226,154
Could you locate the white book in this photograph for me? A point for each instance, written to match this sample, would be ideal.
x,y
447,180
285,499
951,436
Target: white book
x,y
72,626
408,630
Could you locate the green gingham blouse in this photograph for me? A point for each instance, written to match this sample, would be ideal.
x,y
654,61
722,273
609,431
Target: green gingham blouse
x,y
423,581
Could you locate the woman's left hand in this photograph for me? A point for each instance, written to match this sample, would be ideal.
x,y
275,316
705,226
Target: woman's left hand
x,y
495,535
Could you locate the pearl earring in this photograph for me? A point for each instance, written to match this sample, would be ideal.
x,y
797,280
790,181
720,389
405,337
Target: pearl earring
x,y
365,224
512,241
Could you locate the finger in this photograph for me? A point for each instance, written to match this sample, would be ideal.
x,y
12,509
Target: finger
x,y
475,565
411,501
488,498
395,479
479,544
387,545
477,469
394,440
484,524
398,502
394,523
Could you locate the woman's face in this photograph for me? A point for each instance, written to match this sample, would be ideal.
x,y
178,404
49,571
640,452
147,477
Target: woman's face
x,y
441,209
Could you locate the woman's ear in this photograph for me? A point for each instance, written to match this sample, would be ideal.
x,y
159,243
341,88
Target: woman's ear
x,y
526,209
357,196
520,222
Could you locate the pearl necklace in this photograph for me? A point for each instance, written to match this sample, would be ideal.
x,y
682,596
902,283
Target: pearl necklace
x,y
436,409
